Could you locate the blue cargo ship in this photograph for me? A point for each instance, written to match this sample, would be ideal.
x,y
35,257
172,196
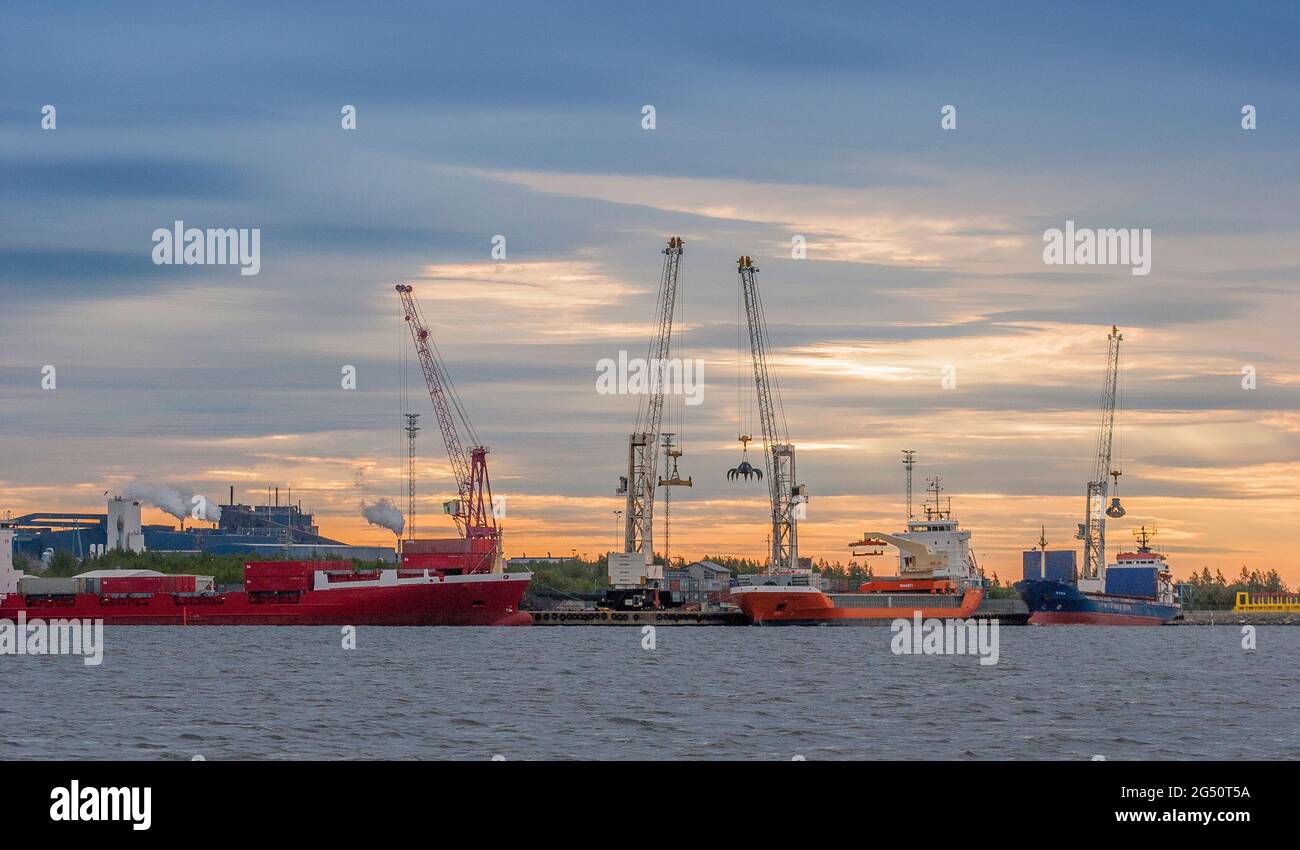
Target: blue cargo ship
x,y
1136,590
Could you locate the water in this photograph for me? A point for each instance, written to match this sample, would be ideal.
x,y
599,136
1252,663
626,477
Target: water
x,y
590,692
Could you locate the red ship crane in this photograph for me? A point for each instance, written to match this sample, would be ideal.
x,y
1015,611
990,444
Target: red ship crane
x,y
474,516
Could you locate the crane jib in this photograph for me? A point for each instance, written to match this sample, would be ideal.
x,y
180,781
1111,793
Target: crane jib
x,y
783,493
475,518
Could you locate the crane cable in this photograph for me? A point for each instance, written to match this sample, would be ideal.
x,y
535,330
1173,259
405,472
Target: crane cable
x,y
449,387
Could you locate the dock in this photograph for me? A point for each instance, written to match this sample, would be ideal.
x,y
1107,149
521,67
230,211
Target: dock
x,y
1010,612
639,618
1238,618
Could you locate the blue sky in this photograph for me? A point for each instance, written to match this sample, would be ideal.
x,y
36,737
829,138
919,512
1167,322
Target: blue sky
x,y
772,120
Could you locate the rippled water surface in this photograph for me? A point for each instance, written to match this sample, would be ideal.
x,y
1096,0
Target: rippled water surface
x,y
589,692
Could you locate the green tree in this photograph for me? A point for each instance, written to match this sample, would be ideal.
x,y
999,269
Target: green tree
x,y
64,563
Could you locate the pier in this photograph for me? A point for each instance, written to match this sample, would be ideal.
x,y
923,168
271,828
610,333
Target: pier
x,y
638,618
1238,618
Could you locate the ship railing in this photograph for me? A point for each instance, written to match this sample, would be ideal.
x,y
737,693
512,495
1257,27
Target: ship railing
x,y
1247,601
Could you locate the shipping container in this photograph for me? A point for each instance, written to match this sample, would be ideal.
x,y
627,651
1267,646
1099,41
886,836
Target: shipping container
x,y
1133,581
1059,566
276,584
147,584
41,586
440,546
289,568
458,562
274,576
130,584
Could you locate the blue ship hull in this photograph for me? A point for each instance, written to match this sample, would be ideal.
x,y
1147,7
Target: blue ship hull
x,y
1061,603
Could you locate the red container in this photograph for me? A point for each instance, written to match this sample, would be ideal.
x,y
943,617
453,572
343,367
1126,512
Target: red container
x,y
439,546
181,584
461,562
264,576
148,584
285,568
350,575
131,584
261,584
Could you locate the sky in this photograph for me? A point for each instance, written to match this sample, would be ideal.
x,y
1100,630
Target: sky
x,y
924,257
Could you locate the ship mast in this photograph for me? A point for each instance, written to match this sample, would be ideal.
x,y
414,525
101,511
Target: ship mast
x,y
909,461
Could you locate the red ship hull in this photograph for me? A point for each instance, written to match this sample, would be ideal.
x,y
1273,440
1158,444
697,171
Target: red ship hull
x,y
808,606
471,600
1087,618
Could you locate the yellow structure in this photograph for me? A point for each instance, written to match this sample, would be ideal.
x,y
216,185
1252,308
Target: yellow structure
x,y
1267,602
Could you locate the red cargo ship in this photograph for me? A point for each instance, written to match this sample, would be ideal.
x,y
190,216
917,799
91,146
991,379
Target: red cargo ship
x,y
281,593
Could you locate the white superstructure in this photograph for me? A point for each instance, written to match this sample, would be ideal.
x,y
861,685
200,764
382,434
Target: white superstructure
x,y
8,575
933,547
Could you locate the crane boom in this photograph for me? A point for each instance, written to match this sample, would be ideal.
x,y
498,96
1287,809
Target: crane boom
x,y
474,517
643,443
785,495
1093,529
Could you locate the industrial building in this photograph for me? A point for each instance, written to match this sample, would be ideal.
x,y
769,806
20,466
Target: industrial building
x,y
699,583
268,530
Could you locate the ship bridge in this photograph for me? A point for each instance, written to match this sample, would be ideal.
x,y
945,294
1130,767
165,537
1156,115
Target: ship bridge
x,y
933,546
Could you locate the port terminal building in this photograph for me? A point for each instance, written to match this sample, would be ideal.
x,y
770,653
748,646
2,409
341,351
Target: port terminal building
x,y
255,530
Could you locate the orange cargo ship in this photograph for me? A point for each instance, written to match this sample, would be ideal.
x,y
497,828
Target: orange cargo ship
x,y
938,578
772,604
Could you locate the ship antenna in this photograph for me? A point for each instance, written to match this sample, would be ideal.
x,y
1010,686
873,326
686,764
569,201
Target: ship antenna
x,y
909,461
1144,537
935,488
1042,552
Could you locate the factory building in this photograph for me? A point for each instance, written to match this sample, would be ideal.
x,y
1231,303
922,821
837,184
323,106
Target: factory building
x,y
265,531
700,583
123,531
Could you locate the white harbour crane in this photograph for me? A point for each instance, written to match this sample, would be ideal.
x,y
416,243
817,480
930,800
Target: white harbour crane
x,y
1092,531
633,575
787,497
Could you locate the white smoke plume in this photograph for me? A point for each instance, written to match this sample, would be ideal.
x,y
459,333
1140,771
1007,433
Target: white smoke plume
x,y
385,515
177,501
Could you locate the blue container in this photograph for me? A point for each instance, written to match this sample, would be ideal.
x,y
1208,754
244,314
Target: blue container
x,y
1059,565
1133,581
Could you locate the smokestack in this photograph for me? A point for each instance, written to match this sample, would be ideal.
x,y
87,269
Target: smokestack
x,y
277,497
385,515
232,495
177,501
